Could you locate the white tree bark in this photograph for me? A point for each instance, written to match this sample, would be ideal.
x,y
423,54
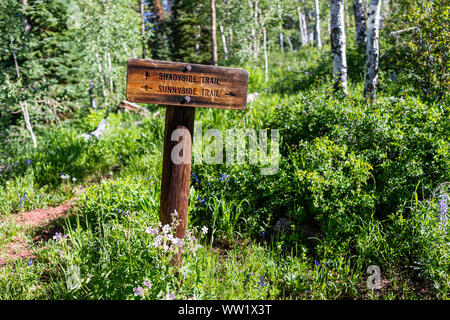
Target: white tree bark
x,y
266,58
26,117
213,32
318,39
288,39
256,38
372,48
224,42
360,22
338,45
303,27
144,45
281,41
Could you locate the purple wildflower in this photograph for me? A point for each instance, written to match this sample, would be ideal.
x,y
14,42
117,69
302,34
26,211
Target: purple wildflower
x,y
138,291
223,177
28,162
30,262
170,296
317,263
261,282
263,234
148,284
195,177
57,236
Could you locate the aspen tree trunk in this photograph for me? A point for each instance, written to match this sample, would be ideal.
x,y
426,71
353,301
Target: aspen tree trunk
x,y
338,46
108,59
303,27
26,22
197,38
213,32
372,48
15,57
224,42
288,39
360,22
100,72
347,16
24,107
281,41
256,42
266,58
318,39
143,29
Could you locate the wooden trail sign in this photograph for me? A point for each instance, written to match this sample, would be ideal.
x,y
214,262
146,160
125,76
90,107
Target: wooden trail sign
x,y
182,87
188,85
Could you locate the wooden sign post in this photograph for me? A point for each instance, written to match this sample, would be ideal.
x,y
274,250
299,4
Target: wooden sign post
x,y
183,87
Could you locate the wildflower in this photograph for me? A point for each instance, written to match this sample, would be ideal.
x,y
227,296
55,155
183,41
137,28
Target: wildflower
x,y
138,291
74,179
195,177
170,296
65,236
57,236
28,162
261,282
205,230
443,206
148,284
263,234
216,133
178,242
166,229
223,177
151,230
158,241
30,262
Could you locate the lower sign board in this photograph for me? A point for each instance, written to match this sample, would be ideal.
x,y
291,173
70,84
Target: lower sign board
x,y
184,84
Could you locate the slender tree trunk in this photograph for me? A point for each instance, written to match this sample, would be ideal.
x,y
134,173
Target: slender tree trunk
x,y
266,58
360,22
318,39
281,41
144,44
338,46
197,39
256,40
100,72
24,107
288,39
213,32
16,64
347,15
224,41
372,48
26,22
91,95
110,75
303,27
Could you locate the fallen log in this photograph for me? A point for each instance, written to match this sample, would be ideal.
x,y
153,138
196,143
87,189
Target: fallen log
x,y
130,106
97,133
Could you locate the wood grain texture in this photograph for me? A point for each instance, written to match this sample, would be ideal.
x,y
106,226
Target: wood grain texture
x,y
176,177
168,83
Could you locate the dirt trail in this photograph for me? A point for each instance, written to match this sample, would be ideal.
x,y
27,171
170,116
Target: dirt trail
x,y
18,249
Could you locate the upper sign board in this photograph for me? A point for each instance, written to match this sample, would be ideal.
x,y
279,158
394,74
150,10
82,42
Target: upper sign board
x,y
184,84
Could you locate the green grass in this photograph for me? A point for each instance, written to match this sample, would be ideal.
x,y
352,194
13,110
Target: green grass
x,y
357,182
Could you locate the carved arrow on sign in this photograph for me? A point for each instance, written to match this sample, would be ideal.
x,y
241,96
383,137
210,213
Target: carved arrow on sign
x,y
146,88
